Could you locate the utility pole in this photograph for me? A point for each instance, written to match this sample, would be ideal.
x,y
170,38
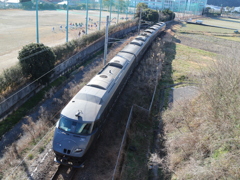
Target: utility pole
x,y
106,42
221,10
100,16
110,11
185,6
86,16
127,14
139,24
37,33
179,7
189,6
67,23
135,8
118,11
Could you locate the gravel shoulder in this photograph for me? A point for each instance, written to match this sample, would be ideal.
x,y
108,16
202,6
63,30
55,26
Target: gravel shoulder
x,y
182,94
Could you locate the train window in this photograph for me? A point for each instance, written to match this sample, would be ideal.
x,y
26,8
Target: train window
x,y
75,127
97,86
89,97
82,128
65,124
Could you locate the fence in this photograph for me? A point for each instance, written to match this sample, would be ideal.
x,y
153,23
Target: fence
x,y
123,143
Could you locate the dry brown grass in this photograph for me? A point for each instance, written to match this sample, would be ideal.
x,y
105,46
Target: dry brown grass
x,y
202,135
138,157
14,155
135,164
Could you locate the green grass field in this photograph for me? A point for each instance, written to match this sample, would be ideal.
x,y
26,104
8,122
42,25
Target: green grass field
x,y
230,38
189,62
221,22
206,29
224,22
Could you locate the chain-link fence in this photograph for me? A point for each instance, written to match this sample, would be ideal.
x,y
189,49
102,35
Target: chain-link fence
x,y
56,22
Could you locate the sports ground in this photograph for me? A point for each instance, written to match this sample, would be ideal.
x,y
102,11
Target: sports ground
x,y
18,28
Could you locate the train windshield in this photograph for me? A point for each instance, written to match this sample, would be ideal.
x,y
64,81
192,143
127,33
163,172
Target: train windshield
x,y
71,126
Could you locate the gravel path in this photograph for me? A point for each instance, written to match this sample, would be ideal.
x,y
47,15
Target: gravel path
x,y
183,93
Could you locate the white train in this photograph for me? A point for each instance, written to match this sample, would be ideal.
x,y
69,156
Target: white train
x,y
83,117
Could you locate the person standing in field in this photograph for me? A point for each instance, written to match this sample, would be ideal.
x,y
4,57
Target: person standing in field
x,y
60,28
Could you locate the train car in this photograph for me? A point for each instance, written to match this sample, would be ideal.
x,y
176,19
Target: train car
x,y
83,117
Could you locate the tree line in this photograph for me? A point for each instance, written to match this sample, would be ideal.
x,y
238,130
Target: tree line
x,y
120,5
224,3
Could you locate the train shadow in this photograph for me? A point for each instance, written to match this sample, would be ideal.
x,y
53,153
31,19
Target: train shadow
x,y
23,164
165,93
67,173
169,49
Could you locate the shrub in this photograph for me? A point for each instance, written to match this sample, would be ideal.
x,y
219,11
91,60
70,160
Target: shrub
x,y
11,78
30,156
41,149
36,60
167,15
13,75
27,4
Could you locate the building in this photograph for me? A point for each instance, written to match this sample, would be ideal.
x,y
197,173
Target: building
x,y
9,4
194,6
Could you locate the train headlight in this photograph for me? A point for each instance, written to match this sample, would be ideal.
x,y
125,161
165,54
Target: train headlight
x,y
59,144
78,150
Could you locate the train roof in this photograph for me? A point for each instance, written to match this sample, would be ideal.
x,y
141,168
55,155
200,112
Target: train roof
x,y
142,38
154,27
126,55
146,34
160,23
95,94
137,42
131,49
87,98
157,25
101,81
149,31
118,61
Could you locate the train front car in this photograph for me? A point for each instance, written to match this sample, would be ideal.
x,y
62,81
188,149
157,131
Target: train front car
x,y
75,129
82,119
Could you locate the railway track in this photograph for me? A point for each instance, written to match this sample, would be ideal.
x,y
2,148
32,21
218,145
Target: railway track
x,y
64,172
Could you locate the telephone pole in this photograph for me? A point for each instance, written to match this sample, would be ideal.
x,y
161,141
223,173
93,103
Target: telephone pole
x,y
37,32
106,42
